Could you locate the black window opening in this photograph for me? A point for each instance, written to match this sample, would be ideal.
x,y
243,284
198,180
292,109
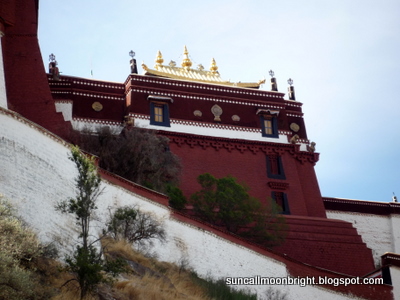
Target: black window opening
x,y
159,114
275,167
280,199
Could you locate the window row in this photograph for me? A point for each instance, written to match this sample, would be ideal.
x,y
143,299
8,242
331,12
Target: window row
x,y
159,115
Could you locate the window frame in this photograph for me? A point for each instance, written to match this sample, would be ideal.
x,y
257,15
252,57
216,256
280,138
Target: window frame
x,y
281,171
274,125
269,115
159,104
285,202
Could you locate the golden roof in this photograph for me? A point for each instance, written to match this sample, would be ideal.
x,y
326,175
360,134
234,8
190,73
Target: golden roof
x,y
187,73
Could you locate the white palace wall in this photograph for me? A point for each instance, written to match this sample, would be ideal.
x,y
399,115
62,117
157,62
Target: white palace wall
x,y
381,233
35,173
3,98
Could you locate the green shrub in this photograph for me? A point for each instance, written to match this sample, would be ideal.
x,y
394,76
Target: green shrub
x,y
225,202
176,198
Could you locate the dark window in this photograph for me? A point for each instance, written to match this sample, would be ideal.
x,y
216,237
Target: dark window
x,y
281,199
275,167
269,126
159,114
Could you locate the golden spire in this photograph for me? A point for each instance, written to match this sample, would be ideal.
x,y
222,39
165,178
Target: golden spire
x,y
213,67
159,60
186,63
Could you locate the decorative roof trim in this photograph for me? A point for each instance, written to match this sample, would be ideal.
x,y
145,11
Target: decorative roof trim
x,y
391,259
88,94
361,206
241,145
160,98
267,111
188,96
208,86
97,121
84,81
67,101
296,115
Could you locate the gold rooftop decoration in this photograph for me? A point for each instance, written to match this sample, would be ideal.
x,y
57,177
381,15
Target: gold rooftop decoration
x,y
159,59
214,67
186,63
186,72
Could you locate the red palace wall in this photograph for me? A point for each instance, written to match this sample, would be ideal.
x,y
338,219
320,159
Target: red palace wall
x,y
247,163
23,68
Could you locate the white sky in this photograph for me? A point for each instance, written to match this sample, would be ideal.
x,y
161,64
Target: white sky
x,y
342,56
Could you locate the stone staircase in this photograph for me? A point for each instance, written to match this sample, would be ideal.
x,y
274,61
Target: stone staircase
x,y
327,243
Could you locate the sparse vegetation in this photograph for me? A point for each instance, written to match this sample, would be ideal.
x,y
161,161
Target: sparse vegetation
x,y
137,154
162,280
19,258
27,275
224,202
274,294
217,289
86,263
176,198
135,226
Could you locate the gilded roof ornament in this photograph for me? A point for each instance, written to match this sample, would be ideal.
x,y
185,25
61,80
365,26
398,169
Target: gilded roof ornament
x,y
144,66
159,59
214,67
186,63
198,74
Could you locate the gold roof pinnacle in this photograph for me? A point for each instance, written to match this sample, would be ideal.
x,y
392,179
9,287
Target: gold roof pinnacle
x,y
213,67
186,63
185,72
159,59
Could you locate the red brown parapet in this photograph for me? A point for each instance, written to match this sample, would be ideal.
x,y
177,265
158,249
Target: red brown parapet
x,y
362,206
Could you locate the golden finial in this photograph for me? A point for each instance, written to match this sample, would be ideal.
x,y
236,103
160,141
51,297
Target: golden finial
x,y
159,60
213,67
186,63
144,66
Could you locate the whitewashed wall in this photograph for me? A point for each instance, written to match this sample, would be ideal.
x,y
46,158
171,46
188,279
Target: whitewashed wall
x,y
36,173
380,233
395,274
3,98
64,107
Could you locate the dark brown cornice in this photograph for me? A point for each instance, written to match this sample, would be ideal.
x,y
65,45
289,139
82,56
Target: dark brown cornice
x,y
240,145
361,206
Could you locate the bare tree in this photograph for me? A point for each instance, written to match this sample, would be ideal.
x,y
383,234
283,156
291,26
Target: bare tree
x,y
135,226
137,154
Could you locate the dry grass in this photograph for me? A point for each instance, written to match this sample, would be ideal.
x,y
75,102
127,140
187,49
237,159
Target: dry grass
x,y
157,280
124,250
166,280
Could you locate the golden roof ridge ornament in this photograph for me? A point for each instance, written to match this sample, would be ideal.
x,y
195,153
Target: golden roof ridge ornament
x,y
198,74
186,62
214,67
159,60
